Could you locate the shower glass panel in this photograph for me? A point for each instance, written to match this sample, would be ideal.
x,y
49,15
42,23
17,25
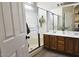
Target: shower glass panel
x,y
31,20
42,20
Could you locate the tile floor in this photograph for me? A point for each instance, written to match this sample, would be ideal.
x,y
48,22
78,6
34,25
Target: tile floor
x,y
47,53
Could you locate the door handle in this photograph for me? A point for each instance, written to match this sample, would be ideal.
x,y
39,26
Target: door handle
x,y
27,37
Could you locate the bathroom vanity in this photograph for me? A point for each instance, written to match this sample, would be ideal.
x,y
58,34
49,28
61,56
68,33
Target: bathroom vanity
x,y
65,42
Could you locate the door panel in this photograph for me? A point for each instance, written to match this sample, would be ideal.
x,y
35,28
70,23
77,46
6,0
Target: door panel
x,y
22,51
8,47
7,19
15,15
21,17
2,33
13,55
13,30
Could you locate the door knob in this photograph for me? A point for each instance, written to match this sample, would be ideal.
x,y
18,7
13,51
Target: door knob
x,y
27,37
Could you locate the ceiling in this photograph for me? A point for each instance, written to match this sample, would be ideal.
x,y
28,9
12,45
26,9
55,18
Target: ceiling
x,y
52,5
47,5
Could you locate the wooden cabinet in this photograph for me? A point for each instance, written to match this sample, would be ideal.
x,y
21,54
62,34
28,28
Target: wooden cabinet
x,y
53,42
69,45
46,41
60,43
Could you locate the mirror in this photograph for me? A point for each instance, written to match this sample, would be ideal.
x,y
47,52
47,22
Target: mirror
x,y
76,21
70,18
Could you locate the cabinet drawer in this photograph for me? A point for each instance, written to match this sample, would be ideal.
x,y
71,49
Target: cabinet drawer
x,y
60,38
60,47
60,42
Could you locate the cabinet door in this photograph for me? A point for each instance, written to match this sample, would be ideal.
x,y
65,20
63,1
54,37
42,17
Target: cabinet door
x,y
76,46
60,43
46,41
53,42
69,45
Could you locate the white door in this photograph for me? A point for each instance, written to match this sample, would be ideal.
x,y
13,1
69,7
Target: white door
x,y
13,30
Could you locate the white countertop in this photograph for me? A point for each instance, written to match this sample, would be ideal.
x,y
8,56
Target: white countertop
x,y
72,34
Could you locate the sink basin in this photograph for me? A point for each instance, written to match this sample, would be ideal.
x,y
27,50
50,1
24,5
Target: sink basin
x,y
76,33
